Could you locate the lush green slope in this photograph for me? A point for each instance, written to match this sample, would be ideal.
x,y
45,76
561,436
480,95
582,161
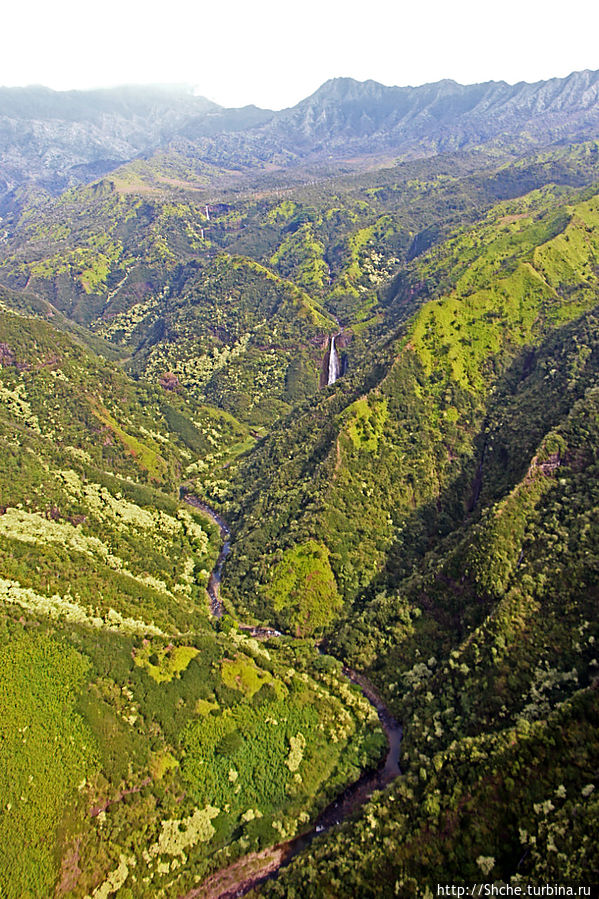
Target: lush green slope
x,y
141,748
74,433
98,250
47,750
488,654
457,501
234,334
230,296
369,477
432,516
149,761
518,808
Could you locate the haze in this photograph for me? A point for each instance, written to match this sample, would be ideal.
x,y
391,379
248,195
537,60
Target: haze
x,y
273,55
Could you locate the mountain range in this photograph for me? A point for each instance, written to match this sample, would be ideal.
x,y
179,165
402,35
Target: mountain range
x,y
56,139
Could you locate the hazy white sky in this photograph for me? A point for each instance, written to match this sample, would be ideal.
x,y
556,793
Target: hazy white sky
x,y
275,53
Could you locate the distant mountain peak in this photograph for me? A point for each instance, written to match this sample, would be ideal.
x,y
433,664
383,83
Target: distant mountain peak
x,y
58,138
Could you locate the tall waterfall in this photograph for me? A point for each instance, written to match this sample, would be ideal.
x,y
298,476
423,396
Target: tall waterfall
x,y
334,367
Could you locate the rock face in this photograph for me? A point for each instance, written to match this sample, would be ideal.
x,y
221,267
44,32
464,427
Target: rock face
x,y
346,117
343,108
60,138
55,139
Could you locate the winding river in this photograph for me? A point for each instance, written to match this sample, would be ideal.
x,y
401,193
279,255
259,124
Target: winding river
x,y
213,588
255,868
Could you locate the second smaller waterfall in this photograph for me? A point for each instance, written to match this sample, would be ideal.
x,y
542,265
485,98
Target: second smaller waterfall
x,y
334,367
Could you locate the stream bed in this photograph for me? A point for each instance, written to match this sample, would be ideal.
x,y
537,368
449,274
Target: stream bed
x,y
255,868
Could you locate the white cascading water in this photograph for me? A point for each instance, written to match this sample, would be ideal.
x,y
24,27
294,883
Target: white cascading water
x,y
333,363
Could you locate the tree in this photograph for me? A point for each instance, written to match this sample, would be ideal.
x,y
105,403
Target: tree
x,y
303,587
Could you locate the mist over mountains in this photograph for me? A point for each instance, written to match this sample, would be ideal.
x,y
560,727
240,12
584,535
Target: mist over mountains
x,y
57,139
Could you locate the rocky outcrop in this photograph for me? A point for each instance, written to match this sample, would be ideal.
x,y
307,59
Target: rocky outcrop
x,y
55,139
59,138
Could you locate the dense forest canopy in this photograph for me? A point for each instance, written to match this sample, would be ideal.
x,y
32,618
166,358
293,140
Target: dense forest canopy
x,y
427,526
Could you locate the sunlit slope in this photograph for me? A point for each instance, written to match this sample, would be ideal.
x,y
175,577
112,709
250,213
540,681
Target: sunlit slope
x,y
381,467
98,249
146,762
90,487
234,292
142,749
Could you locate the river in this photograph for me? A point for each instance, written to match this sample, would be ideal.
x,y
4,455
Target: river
x,y
213,588
255,868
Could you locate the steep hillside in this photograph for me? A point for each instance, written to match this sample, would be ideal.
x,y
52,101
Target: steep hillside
x,y
348,115
142,747
487,652
447,494
84,450
171,281
232,333
368,473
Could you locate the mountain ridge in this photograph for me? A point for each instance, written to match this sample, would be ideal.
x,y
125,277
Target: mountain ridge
x,y
57,139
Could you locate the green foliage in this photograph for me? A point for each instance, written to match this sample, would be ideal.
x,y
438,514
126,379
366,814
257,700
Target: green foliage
x,y
48,753
84,535
303,588
366,419
433,516
510,807
103,563
239,336
242,673
369,484
165,664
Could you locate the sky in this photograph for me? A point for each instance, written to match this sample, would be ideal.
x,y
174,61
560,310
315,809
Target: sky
x,y
274,54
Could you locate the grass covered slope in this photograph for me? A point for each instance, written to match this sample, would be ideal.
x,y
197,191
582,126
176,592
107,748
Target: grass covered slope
x,y
487,653
146,762
98,250
90,480
142,749
48,752
377,477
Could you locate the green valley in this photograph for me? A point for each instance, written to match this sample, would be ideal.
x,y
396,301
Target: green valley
x,y
276,621
118,693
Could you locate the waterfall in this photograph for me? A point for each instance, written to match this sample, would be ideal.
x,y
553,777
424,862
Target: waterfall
x,y
333,363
